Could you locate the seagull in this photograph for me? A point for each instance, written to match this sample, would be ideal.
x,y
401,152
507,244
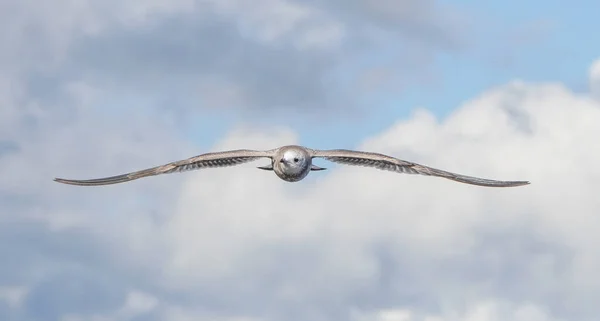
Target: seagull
x,y
292,163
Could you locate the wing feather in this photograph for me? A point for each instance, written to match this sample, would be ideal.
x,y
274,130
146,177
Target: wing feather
x,y
208,160
388,163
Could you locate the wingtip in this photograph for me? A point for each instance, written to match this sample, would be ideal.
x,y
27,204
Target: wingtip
x,y
70,181
61,180
521,183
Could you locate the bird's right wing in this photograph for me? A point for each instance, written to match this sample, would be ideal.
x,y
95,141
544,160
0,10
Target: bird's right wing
x,y
384,162
208,160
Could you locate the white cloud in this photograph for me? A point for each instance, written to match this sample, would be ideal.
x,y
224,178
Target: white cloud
x,y
273,20
479,311
137,304
595,78
12,295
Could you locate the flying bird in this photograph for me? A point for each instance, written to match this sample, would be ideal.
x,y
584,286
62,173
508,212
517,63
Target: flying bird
x,y
292,163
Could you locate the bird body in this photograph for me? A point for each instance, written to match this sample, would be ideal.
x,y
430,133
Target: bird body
x,y
292,163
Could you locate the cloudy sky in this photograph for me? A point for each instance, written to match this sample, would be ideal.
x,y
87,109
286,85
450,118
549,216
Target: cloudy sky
x,y
501,90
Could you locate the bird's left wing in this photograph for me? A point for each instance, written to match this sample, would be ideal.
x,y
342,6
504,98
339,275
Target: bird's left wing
x,y
384,162
208,160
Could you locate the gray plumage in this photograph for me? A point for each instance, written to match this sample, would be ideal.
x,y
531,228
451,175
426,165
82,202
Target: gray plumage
x,y
292,163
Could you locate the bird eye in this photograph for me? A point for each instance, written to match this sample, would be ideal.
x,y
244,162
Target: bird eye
x,y
295,160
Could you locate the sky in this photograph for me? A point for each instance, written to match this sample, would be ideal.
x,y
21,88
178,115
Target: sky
x,y
502,90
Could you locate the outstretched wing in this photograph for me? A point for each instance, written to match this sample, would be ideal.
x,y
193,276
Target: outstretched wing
x,y
384,162
208,160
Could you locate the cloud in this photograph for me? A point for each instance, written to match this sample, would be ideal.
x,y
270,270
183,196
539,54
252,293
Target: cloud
x,y
482,311
268,55
595,78
347,244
